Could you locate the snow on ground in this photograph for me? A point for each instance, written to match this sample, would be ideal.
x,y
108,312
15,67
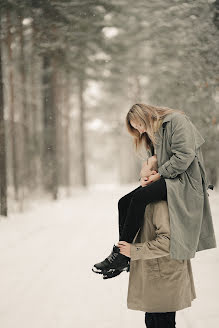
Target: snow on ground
x,y
46,256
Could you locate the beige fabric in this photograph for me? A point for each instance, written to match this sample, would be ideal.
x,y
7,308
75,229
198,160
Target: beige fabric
x,y
158,283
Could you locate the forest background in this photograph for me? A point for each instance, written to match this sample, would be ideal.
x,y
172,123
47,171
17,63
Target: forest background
x,y
69,72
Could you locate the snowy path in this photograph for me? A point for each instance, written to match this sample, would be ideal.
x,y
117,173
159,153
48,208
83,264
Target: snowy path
x,y
46,257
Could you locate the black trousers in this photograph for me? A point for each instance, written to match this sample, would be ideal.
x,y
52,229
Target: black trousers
x,y
131,207
160,319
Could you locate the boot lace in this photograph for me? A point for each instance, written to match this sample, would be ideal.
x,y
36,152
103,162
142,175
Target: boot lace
x,y
112,257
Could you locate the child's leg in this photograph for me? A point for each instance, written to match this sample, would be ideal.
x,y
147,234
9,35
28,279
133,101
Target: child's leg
x,y
140,199
123,205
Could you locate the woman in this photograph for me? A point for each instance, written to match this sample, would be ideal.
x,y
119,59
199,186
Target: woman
x,y
181,180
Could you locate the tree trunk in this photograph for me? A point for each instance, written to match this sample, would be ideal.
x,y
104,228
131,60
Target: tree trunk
x,y
11,108
82,159
34,163
49,113
25,172
3,172
66,132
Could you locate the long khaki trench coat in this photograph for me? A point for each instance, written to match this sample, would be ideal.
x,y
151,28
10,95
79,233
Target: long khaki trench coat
x,y
180,162
157,283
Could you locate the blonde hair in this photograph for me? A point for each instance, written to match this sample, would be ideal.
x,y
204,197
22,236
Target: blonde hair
x,y
149,116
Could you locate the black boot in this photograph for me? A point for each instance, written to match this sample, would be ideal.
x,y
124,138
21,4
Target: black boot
x,y
114,273
115,261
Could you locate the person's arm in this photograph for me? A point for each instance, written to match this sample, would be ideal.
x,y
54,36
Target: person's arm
x,y
159,246
182,147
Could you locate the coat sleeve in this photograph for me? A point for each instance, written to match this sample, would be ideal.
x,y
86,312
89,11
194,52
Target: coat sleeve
x,y
182,147
159,246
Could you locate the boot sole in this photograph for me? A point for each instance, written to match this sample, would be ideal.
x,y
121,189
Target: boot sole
x,y
112,274
94,269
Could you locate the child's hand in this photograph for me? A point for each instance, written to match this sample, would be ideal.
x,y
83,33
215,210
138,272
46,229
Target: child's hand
x,y
124,248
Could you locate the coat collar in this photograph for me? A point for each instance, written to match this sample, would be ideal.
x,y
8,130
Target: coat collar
x,y
167,117
164,120
199,140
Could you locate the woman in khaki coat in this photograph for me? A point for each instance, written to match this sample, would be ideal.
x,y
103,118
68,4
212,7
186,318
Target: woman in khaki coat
x,y
158,285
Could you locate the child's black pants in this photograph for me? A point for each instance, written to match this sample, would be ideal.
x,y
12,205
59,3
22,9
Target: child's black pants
x,y
132,207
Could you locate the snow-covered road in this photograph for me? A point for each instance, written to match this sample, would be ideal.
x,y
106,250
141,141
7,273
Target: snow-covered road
x,y
46,256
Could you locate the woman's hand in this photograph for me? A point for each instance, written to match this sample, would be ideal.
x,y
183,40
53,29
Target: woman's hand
x,y
143,180
124,248
151,178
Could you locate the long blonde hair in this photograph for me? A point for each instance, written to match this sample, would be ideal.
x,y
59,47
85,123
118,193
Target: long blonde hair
x,y
149,116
